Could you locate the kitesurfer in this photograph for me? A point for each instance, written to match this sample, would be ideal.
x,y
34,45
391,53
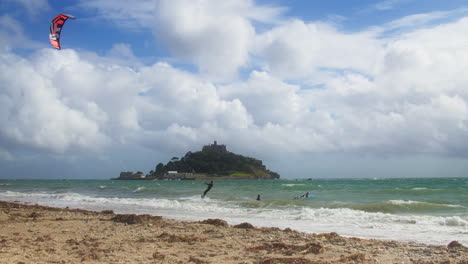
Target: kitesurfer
x,y
210,185
306,195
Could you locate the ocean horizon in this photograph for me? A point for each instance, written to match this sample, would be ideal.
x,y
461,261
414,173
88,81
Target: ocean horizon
x,y
425,210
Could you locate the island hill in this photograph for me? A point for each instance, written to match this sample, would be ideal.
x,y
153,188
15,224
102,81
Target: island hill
x,y
214,162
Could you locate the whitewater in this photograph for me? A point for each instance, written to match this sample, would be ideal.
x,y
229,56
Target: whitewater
x,y
431,210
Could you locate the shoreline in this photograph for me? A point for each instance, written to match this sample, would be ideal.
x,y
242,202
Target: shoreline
x,y
42,234
193,177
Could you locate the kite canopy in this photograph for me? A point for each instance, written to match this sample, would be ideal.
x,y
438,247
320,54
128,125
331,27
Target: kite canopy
x,y
56,27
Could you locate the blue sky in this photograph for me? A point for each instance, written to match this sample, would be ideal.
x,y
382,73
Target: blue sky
x,y
95,33
313,88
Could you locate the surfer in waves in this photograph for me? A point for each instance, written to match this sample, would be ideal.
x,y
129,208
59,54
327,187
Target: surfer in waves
x,y
306,195
210,185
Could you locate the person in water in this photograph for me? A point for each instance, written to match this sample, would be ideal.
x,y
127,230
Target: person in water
x,y
210,185
258,197
306,195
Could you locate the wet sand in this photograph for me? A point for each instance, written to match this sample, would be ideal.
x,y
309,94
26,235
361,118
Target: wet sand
x,y
39,234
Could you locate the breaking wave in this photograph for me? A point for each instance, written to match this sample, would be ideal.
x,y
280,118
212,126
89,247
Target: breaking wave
x,y
401,206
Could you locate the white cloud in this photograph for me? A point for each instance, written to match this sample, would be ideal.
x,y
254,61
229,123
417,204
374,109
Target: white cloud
x,y
60,102
12,35
420,21
403,106
267,99
135,16
383,97
400,94
33,7
122,54
177,96
35,114
215,36
300,50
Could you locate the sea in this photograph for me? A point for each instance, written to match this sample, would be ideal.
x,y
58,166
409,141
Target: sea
x,y
424,210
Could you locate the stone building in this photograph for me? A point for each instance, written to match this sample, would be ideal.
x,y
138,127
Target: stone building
x,y
215,147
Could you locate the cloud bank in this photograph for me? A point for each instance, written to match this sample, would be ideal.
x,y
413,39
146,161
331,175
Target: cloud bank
x,y
305,87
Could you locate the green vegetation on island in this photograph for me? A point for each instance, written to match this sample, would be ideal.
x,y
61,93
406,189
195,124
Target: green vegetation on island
x,y
213,162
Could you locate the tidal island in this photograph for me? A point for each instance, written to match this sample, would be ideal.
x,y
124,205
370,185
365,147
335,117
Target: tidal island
x,y
213,162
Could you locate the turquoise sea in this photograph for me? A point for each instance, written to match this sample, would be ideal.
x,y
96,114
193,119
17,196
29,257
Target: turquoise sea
x,y
429,210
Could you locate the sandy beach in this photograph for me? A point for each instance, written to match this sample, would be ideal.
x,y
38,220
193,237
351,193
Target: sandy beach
x,y
39,234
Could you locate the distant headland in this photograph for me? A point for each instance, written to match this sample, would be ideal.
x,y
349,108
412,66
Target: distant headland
x,y
213,162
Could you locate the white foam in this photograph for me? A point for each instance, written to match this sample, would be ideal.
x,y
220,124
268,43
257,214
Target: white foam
x,y
454,221
139,189
348,222
408,202
403,202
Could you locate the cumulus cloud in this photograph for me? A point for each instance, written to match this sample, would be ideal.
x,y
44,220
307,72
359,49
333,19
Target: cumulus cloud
x,y
310,88
414,102
35,114
215,36
122,54
299,50
267,99
60,102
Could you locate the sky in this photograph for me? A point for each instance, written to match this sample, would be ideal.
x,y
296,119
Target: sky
x,y
314,89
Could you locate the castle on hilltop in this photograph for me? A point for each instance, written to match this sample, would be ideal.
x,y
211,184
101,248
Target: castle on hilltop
x,y
214,162
215,147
